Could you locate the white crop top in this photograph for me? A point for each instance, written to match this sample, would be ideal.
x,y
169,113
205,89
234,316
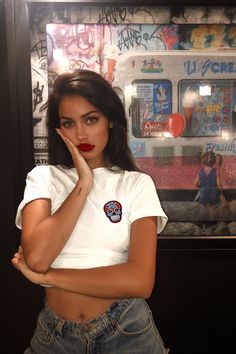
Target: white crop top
x,y
101,235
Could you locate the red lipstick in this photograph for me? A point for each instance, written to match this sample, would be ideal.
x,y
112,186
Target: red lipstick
x,y
85,147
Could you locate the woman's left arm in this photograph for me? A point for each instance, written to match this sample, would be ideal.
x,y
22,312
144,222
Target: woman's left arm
x,y
135,278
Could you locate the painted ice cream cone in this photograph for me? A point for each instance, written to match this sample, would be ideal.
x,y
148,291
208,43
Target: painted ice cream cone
x,y
111,59
188,111
188,102
111,63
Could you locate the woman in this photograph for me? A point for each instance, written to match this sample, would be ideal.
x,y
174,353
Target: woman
x,y
209,183
89,222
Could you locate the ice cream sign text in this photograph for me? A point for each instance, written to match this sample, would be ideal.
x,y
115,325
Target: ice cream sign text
x,y
228,147
215,67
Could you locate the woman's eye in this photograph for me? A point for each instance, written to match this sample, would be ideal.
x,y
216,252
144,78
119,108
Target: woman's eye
x,y
91,120
67,124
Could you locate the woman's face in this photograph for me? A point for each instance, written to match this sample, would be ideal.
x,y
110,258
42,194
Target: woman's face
x,y
86,127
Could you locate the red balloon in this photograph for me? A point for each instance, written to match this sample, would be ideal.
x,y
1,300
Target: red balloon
x,y
176,124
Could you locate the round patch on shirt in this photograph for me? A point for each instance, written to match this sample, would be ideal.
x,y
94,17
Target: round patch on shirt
x,y
113,210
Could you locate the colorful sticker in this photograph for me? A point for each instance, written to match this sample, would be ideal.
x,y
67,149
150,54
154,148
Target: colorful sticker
x,y
137,148
113,210
152,66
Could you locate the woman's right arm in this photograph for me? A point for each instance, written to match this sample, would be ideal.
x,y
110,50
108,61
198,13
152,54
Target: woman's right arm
x,y
197,181
45,234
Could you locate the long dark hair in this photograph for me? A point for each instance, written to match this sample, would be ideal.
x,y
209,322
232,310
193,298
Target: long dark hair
x,y
98,92
209,158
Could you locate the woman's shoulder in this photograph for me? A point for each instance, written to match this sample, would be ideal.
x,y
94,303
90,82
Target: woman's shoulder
x,y
136,175
48,171
134,178
41,169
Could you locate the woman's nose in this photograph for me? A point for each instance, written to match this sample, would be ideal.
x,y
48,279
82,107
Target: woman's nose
x,y
81,132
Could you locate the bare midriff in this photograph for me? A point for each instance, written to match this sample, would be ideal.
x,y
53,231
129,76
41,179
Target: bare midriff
x,y
76,307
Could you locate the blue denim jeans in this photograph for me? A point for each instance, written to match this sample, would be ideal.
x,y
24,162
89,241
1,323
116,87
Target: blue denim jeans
x,y
127,327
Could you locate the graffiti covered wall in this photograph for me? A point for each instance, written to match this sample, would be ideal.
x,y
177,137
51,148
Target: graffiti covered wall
x,y
69,37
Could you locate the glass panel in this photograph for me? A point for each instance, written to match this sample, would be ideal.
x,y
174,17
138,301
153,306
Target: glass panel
x,y
207,106
151,105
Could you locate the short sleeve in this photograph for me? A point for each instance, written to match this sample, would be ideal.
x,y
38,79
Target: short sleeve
x,y
145,202
37,186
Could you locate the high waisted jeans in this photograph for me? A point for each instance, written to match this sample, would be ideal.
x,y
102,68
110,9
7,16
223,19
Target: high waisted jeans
x,y
127,327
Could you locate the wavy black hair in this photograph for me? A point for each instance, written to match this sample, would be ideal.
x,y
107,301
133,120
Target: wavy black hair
x,y
209,158
98,92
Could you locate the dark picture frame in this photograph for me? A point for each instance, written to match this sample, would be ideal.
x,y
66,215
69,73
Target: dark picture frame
x,y
19,46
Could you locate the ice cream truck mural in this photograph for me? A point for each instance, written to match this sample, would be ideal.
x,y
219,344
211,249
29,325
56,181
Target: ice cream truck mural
x,y
179,105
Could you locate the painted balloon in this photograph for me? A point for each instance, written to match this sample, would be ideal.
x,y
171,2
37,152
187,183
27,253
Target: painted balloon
x,y
176,123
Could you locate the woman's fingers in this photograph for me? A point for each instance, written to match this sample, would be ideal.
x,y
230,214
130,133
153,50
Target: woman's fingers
x,y
16,260
81,165
66,141
71,147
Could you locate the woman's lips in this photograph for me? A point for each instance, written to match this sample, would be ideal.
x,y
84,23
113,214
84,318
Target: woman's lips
x,y
85,147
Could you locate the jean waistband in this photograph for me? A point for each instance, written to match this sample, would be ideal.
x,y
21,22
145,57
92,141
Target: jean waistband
x,y
91,327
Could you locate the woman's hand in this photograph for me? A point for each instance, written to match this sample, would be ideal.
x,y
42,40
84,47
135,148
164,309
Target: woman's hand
x,y
81,165
19,263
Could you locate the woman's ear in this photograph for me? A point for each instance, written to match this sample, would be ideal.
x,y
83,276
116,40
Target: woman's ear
x,y
110,124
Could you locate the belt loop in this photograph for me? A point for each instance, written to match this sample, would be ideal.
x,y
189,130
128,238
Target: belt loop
x,y
59,326
109,323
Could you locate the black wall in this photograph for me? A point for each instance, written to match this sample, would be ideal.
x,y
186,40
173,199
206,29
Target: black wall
x,y
20,301
194,298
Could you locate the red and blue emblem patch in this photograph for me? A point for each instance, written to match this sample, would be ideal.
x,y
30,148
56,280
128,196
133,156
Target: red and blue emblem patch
x,y
113,210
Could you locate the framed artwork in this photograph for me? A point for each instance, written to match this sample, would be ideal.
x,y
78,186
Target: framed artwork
x,y
175,72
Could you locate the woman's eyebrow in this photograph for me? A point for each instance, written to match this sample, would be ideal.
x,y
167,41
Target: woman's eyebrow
x,y
86,114
68,118
83,116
